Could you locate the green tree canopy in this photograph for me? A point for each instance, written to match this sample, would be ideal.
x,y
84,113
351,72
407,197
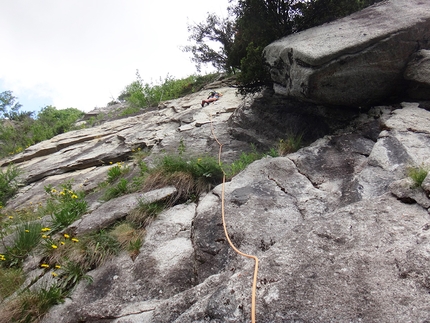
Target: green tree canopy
x,y
9,106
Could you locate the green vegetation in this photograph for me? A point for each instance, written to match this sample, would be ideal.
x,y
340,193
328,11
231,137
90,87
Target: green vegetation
x,y
21,130
116,171
11,279
26,237
30,306
418,175
143,95
64,205
8,183
290,144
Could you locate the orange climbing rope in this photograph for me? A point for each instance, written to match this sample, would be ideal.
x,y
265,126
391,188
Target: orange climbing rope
x,y
254,282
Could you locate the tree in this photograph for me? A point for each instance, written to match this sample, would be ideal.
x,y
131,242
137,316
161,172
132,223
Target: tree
x,y
9,106
205,36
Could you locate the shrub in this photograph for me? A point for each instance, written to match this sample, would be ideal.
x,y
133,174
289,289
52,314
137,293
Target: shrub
x,y
8,183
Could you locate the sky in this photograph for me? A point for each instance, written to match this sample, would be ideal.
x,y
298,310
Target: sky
x,y
83,53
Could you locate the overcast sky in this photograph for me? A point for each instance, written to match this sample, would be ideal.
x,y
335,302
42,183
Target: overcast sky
x,y
82,53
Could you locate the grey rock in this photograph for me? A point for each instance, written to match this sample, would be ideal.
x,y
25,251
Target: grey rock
x,y
406,191
354,61
417,72
115,209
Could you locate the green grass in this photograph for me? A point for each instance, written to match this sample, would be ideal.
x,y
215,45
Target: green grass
x,y
117,190
26,238
11,279
32,305
145,213
290,144
418,174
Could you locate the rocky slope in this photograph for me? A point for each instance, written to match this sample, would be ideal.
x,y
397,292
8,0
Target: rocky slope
x,y
340,229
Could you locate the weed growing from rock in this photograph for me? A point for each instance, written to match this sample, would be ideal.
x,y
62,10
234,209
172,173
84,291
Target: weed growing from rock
x,y
31,305
26,237
116,171
290,144
11,279
418,175
145,213
119,189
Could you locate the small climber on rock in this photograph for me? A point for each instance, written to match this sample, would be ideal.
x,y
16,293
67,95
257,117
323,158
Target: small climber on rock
x,y
213,96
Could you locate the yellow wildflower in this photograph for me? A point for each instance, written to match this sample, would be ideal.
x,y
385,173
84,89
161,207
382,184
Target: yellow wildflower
x,y
53,190
54,246
74,196
66,236
57,266
10,217
44,265
2,257
62,193
75,240
62,243
27,231
110,163
54,274
45,229
44,236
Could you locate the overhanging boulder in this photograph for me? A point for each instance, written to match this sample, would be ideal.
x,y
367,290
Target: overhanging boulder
x,y
354,61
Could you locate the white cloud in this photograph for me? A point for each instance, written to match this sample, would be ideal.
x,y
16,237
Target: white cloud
x,y
81,53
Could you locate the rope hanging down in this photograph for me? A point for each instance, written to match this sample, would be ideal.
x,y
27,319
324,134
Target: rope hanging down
x,y
254,282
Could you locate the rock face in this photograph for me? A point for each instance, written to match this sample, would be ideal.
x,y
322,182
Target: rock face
x,y
417,72
354,61
335,239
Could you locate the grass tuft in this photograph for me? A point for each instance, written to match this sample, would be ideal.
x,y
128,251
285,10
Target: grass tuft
x,y
418,174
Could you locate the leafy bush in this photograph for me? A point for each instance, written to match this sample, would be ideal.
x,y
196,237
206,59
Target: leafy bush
x,y
8,183
17,135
